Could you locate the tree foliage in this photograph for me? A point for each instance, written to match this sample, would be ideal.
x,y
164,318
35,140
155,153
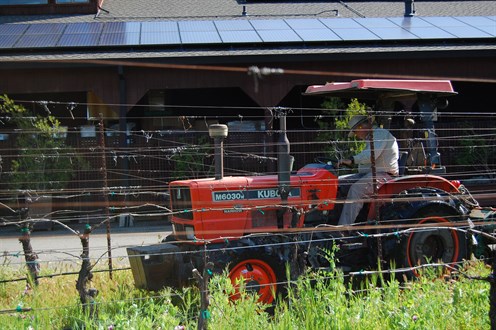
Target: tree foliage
x,y
193,161
477,151
44,161
336,130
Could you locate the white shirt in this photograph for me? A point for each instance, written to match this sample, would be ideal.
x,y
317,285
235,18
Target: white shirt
x,y
385,150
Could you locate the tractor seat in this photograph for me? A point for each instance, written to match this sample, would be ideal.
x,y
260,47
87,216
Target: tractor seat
x,y
402,163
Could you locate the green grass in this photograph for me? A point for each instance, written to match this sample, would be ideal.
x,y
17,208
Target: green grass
x,y
322,300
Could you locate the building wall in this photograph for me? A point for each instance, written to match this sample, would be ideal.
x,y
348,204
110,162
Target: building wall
x,y
45,7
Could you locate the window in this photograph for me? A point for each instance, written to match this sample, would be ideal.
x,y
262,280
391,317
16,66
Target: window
x,y
40,7
70,1
22,2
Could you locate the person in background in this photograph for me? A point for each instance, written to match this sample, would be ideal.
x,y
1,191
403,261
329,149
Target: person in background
x,y
386,163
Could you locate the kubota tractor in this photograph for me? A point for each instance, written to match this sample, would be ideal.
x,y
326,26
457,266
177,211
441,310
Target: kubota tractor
x,y
256,226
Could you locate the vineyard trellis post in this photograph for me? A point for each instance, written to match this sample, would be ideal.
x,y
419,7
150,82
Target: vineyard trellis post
x,y
105,194
29,255
492,291
204,295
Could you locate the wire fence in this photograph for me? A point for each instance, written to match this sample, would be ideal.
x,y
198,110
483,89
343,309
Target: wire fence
x,y
138,173
360,231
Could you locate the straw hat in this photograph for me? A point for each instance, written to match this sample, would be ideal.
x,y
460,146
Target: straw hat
x,y
354,122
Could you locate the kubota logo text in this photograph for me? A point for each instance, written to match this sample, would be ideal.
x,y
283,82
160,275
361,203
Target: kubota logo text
x,y
221,196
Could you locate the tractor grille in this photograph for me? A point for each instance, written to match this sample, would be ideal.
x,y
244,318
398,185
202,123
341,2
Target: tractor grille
x,y
181,202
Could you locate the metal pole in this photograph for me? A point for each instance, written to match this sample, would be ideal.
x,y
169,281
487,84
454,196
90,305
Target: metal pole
x,y
283,166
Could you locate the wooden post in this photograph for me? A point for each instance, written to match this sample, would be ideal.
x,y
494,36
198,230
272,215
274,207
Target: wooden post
x,y
29,255
492,292
374,181
204,303
105,194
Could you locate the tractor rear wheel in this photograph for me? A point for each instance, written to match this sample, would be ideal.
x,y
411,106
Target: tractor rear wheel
x,y
434,245
260,275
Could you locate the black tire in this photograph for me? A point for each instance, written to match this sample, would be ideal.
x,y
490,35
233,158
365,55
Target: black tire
x,y
432,245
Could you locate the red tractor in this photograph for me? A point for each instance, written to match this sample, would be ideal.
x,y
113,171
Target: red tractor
x,y
256,226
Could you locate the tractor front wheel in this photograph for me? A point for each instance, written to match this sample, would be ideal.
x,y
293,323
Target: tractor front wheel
x,y
259,276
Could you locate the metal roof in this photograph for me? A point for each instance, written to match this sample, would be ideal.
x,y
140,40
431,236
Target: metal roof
x,y
129,10
135,29
251,32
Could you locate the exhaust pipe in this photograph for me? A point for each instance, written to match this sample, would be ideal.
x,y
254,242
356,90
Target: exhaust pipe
x,y
284,166
409,8
283,158
218,132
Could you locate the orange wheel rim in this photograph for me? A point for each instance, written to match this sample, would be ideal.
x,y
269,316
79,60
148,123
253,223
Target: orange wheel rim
x,y
258,276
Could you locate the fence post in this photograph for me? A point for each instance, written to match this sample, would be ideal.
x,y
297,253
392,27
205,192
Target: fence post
x,y
492,291
29,255
105,194
204,299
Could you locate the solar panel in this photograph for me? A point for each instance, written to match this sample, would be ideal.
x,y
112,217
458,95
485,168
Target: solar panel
x,y
430,33
234,25
79,40
278,35
122,27
119,39
51,28
468,32
203,26
489,29
75,28
407,22
9,40
37,41
355,34
317,35
483,23
147,27
239,36
459,28
6,29
340,23
93,34
160,38
270,24
305,24
200,37
476,20
392,34
443,21
375,23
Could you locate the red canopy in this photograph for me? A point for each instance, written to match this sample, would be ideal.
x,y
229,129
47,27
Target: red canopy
x,y
373,87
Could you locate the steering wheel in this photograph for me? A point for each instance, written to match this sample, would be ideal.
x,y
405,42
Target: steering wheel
x,y
327,160
330,161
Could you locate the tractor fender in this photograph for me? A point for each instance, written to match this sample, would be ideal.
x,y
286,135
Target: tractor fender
x,y
398,186
409,202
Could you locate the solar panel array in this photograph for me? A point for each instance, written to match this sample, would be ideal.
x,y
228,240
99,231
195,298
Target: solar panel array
x,y
222,32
